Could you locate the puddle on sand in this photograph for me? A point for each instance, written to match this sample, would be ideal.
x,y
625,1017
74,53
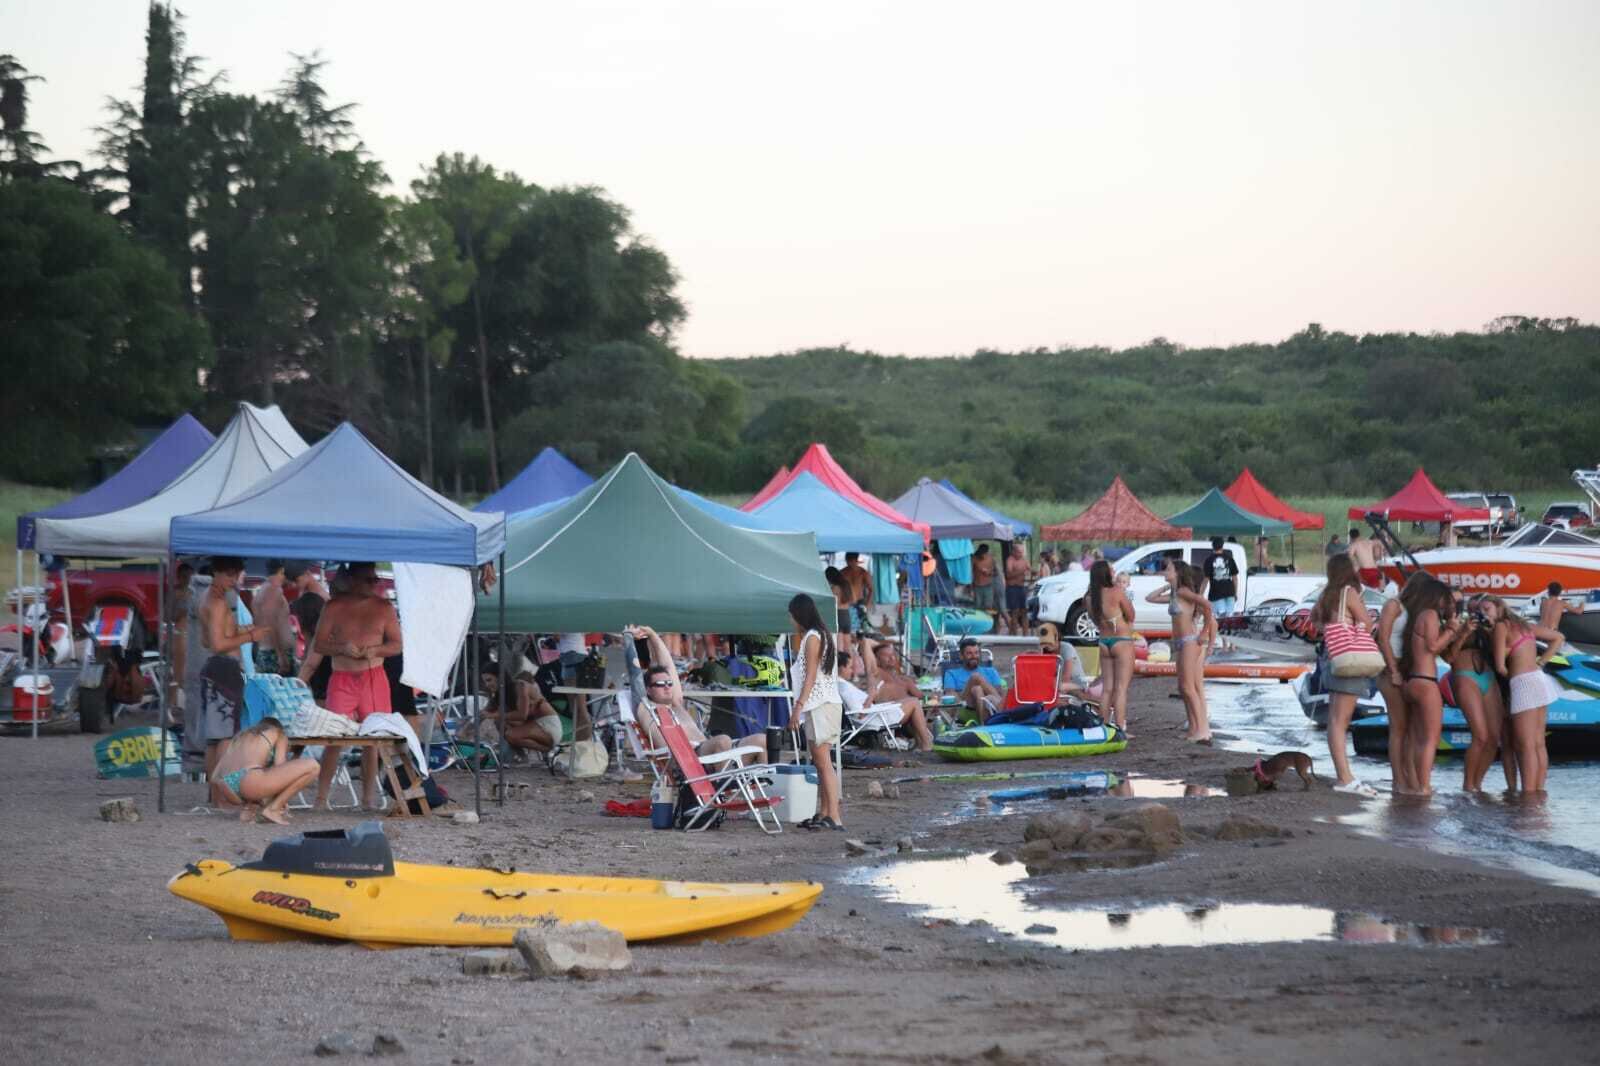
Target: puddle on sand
x,y
972,887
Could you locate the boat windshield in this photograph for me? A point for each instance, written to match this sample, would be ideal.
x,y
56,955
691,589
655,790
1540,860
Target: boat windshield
x,y
1539,535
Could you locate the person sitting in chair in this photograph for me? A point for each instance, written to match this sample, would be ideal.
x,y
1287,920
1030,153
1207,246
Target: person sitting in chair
x,y
658,687
975,686
907,708
1075,680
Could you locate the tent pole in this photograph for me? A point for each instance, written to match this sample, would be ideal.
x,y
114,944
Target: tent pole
x,y
38,634
162,671
500,761
66,605
477,716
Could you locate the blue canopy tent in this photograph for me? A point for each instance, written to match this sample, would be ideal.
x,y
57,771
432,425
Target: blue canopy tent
x,y
1021,528
740,519
806,503
550,477
152,470
344,499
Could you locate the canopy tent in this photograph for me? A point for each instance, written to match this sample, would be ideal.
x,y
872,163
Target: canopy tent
x,y
152,470
1253,496
1116,515
820,464
1019,528
343,499
551,476
1217,516
948,514
735,517
841,526
1421,501
630,549
255,443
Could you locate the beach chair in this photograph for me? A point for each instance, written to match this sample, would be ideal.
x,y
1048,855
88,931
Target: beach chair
x,y
735,788
659,759
1035,679
875,718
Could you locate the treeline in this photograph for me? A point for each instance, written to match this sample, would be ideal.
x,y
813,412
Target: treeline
x,y
1321,413
235,246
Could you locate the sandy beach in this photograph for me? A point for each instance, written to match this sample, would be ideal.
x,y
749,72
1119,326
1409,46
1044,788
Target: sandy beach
x,y
101,963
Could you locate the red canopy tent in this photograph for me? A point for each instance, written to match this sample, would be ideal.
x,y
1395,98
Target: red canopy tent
x,y
1253,496
825,468
1421,501
1117,515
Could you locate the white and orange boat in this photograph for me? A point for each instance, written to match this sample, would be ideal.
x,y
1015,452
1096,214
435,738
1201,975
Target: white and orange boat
x,y
1228,670
1523,565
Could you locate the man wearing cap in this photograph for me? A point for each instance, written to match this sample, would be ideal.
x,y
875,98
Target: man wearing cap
x,y
975,686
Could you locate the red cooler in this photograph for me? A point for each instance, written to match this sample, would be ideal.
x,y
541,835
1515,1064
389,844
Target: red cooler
x,y
32,696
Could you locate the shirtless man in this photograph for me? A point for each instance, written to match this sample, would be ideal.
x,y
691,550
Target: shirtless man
x,y
1365,554
873,695
889,681
858,579
358,631
1017,572
1553,607
275,654
985,586
222,678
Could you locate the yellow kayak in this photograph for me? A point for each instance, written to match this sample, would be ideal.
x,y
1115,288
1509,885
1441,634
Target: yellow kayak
x,y
345,885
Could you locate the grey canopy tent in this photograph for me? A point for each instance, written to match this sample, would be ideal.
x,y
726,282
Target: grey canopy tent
x,y
949,514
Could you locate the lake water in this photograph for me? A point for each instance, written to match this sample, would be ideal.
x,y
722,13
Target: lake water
x,y
1558,841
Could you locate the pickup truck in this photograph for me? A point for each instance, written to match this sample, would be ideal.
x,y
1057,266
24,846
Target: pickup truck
x,y
1060,598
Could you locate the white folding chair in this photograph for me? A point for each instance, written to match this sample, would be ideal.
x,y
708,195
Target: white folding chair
x,y
342,782
882,718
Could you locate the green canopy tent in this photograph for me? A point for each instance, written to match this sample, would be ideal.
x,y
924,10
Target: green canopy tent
x,y
1217,516
630,549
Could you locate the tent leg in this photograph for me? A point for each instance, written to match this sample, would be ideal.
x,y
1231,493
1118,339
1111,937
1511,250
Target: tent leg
x,y
477,718
38,632
66,605
500,761
161,686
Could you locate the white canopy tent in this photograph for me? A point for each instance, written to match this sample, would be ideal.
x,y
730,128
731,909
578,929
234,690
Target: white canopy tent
x,y
253,445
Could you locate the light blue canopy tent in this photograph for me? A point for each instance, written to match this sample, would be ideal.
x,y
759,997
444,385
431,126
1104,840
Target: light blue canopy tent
x,y
741,519
342,499
550,477
806,503
1021,528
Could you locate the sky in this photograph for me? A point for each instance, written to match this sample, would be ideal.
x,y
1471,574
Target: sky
x,y
930,178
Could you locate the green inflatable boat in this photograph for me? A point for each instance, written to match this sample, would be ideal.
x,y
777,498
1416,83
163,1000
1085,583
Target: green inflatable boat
x,y
994,742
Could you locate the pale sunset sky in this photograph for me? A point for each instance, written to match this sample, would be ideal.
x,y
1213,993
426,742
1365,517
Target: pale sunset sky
x,y
928,178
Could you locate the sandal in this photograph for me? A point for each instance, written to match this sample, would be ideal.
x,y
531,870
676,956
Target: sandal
x,y
807,823
825,822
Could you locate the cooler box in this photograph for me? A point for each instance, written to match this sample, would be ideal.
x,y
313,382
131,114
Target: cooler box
x,y
32,696
795,789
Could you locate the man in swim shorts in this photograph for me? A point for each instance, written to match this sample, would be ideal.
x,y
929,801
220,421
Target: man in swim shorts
x,y
358,630
1364,553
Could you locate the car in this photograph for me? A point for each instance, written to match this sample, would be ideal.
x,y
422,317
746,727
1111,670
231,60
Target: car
x,y
1568,514
1476,527
1510,514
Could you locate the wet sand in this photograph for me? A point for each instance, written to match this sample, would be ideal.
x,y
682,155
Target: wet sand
x,y
101,963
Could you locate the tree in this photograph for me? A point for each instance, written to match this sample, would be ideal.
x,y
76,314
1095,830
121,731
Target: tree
x,y
20,147
95,336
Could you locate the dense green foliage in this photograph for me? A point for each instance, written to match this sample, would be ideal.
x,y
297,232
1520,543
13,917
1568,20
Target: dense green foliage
x,y
1319,413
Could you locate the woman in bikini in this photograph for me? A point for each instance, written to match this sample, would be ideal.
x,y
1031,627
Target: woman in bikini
x,y
1392,683
1112,612
1192,620
1516,656
1431,628
1471,681
255,771
1341,602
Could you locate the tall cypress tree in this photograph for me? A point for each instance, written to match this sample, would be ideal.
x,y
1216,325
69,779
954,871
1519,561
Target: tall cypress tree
x,y
157,167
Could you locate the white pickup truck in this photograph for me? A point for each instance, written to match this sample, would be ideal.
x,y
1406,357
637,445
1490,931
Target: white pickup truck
x,y
1060,598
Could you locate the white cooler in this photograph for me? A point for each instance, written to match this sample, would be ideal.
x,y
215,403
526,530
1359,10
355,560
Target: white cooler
x,y
795,789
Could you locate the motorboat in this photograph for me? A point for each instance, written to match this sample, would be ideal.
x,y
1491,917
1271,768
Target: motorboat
x,y
1521,566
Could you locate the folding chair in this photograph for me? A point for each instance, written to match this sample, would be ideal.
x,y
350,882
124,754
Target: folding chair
x,y
881,718
659,759
735,788
1035,678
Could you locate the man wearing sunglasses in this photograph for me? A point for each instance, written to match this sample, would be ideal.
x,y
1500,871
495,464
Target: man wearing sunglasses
x,y
658,687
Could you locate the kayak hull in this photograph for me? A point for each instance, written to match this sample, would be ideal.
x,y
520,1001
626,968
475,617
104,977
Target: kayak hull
x,y
997,742
447,906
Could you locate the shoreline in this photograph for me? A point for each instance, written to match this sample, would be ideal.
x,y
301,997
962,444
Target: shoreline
x,y
103,961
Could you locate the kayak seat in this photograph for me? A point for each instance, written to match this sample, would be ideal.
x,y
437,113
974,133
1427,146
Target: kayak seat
x,y
360,851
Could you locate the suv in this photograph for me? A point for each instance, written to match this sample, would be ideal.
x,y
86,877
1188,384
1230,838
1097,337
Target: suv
x,y
1568,514
1510,516
1476,527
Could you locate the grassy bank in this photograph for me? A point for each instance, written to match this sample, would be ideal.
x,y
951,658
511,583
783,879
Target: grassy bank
x,y
17,500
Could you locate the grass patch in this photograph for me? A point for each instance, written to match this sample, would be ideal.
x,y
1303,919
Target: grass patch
x,y
15,500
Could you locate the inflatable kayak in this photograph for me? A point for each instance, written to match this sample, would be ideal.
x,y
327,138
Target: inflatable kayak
x,y
346,885
985,742
1224,669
